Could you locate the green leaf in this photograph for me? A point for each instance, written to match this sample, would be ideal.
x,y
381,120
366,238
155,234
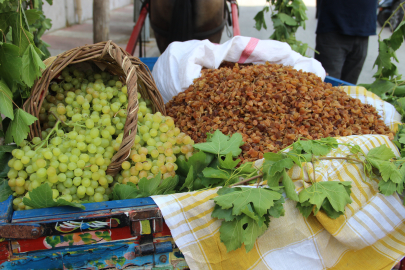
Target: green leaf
x,y
125,191
6,104
273,156
287,19
220,213
167,186
332,213
318,148
5,190
252,231
189,183
41,197
31,66
305,208
387,188
19,127
333,191
281,165
289,187
49,1
231,233
259,19
215,173
397,38
228,163
384,57
10,64
222,145
5,156
261,198
381,86
277,210
32,15
381,152
148,187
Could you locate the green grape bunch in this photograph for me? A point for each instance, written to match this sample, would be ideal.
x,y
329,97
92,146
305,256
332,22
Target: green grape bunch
x,y
158,144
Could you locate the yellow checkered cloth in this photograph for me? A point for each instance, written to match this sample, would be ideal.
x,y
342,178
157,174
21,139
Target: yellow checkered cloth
x,y
371,234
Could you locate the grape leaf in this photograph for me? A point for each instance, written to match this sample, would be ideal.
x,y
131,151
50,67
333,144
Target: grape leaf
x,y
390,172
259,18
243,230
384,57
318,148
215,173
333,191
5,190
381,152
277,210
305,208
32,15
261,198
6,104
231,233
220,213
397,38
332,213
125,191
273,156
289,187
167,186
148,187
287,19
221,144
381,86
189,183
252,231
10,68
19,127
41,197
228,163
31,65
5,156
280,166
387,188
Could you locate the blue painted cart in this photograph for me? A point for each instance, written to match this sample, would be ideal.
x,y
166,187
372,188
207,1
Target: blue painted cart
x,y
126,234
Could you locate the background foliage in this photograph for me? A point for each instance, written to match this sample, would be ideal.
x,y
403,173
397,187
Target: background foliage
x,y
22,23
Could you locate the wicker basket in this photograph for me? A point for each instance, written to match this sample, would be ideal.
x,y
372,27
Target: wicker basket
x,y
116,61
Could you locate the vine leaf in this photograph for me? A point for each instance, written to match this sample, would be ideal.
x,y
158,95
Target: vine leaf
x,y
288,20
5,190
289,187
261,198
41,197
19,127
337,194
6,104
228,163
221,144
10,68
31,65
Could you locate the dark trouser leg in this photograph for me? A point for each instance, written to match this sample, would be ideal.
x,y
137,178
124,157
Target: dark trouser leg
x,y
332,48
355,60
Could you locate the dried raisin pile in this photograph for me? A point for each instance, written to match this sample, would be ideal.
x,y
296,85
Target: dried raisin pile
x,y
272,106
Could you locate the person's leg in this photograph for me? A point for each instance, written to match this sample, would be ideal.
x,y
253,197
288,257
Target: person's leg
x,y
332,50
355,60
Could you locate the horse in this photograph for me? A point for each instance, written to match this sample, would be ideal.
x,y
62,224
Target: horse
x,y
181,20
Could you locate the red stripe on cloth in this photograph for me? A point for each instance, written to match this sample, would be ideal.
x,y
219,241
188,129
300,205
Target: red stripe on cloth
x,y
250,47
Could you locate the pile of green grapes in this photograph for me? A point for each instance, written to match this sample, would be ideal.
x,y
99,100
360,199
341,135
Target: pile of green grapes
x,y
157,146
82,122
